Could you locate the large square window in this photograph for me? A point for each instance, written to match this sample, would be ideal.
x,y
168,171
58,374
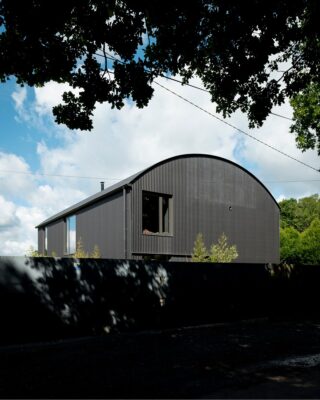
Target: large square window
x,y
156,213
71,234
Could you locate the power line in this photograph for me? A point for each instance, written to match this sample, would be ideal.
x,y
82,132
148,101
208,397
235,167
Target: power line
x,y
118,179
186,84
58,175
207,91
237,129
110,57
305,180
281,116
220,119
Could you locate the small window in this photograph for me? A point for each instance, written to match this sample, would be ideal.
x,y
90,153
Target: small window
x,y
71,234
156,213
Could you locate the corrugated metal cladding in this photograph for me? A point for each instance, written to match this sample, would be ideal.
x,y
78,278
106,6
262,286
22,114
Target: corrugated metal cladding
x,y
41,240
102,224
210,196
56,238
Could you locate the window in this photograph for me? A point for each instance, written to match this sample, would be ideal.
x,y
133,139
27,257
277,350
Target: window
x,y
156,213
46,241
71,234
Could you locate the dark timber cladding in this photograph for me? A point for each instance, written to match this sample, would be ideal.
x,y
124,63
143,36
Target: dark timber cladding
x,y
160,210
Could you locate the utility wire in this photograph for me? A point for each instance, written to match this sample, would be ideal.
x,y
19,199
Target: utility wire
x,y
220,119
281,116
305,180
237,129
120,179
58,175
207,91
110,57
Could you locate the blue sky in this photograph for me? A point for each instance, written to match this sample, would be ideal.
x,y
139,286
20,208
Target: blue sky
x,y
13,134
122,143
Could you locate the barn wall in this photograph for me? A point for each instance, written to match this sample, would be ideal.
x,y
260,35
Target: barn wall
x,y
56,238
102,224
203,191
41,240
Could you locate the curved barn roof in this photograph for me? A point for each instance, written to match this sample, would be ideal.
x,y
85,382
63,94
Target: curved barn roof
x,y
131,179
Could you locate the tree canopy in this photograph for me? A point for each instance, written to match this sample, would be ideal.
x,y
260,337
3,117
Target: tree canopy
x,y
299,214
237,48
300,230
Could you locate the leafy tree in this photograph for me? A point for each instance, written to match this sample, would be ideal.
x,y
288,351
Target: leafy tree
x,y
235,47
308,210
299,233
221,252
310,243
289,245
200,253
299,213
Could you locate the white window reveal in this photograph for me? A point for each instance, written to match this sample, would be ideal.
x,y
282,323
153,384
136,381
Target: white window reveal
x,y
71,234
156,213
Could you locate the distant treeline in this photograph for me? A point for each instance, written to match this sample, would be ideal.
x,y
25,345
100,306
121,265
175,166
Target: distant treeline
x,y
300,230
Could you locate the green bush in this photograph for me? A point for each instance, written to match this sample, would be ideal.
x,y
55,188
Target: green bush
x,y
220,252
200,253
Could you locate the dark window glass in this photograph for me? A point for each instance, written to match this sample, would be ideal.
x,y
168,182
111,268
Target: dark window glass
x,y
156,213
150,211
165,214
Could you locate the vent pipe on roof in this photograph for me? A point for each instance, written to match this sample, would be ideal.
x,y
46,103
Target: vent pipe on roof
x,y
102,185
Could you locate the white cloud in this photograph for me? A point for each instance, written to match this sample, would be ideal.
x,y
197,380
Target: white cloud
x,y
7,216
271,166
53,198
17,222
19,97
15,178
34,107
25,202
50,96
17,232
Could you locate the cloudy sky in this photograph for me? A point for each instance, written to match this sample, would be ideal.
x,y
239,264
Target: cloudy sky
x,y
45,167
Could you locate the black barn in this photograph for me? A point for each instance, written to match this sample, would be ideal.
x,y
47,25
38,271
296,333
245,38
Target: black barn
x,y
159,211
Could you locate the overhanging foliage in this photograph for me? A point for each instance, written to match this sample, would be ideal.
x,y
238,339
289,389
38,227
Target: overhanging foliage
x,y
234,47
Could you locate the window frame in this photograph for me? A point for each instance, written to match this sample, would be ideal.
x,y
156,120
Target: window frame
x,y
161,197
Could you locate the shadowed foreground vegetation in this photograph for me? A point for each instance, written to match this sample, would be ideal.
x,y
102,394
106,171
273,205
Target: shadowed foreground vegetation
x,y
51,298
